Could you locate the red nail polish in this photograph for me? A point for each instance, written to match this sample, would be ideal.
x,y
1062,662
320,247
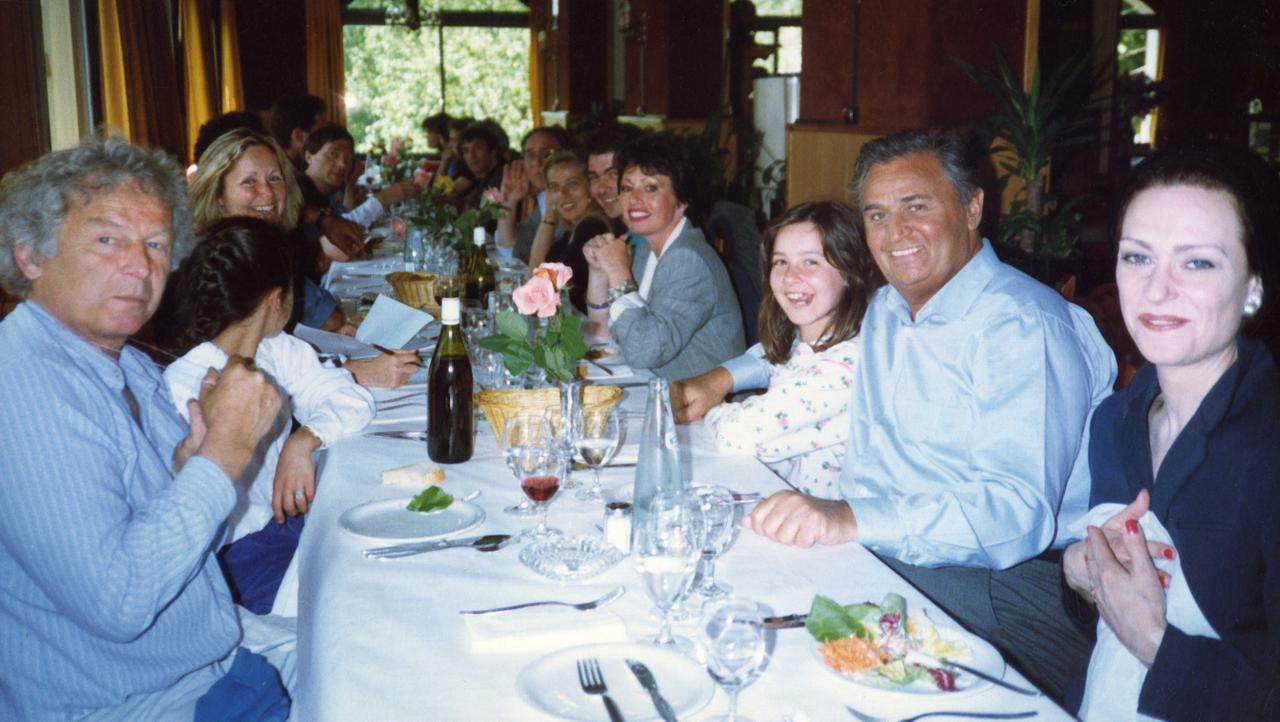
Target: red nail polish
x,y
1168,554
1131,526
1086,557
1164,582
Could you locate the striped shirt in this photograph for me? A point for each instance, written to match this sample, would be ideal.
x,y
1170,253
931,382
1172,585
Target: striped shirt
x,y
109,584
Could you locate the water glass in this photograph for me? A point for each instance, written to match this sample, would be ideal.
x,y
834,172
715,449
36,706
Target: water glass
x,y
734,641
597,436
668,545
415,252
719,514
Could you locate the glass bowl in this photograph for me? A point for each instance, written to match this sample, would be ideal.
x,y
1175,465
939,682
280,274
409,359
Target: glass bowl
x,y
570,558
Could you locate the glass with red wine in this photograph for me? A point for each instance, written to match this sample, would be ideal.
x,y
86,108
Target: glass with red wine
x,y
534,457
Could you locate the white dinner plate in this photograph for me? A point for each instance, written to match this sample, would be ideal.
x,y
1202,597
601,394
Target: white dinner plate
x,y
983,657
390,521
550,683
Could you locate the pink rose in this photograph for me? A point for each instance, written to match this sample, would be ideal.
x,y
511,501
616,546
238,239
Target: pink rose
x,y
557,274
399,227
494,195
397,145
392,158
421,177
538,296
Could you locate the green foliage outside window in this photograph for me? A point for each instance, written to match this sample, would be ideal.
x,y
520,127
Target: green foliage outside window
x,y
393,78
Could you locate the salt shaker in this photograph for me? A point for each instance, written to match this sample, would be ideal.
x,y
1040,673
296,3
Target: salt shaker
x,y
617,525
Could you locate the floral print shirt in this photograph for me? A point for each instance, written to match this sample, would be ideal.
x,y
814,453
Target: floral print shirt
x,y
800,425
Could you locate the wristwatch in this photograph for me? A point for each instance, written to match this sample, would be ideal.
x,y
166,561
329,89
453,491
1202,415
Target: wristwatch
x,y
619,291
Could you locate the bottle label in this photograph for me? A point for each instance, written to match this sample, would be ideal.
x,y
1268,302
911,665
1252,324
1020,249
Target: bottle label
x,y
477,235
450,311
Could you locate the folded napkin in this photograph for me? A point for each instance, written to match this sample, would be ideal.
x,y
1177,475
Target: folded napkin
x,y
542,628
391,323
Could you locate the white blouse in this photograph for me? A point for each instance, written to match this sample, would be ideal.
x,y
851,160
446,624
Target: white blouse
x,y
327,401
800,425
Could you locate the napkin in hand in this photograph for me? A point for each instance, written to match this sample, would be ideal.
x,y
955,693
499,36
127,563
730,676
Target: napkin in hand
x,y
391,323
541,628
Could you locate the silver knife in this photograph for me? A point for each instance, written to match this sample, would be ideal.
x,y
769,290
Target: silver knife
x,y
408,435
790,621
401,550
650,685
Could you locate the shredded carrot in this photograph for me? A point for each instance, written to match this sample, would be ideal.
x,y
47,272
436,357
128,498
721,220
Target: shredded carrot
x,y
851,655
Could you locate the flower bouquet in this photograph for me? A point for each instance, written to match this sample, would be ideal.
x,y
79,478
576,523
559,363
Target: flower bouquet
x,y
442,219
556,346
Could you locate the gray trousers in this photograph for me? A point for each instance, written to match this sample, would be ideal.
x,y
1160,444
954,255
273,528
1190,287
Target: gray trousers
x,y
1019,610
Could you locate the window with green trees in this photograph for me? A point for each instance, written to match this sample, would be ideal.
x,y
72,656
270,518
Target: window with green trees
x,y
394,72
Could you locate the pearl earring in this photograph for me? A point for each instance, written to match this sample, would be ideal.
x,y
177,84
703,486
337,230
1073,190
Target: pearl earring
x,y
1251,305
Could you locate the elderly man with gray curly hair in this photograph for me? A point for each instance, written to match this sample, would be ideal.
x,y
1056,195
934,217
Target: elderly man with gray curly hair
x,y
113,606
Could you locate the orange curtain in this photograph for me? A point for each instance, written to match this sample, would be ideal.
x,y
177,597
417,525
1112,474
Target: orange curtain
x,y
535,76
229,57
197,65
139,75
324,55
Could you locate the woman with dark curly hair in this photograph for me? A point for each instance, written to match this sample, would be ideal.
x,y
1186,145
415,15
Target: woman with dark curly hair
x,y
671,309
821,276
232,298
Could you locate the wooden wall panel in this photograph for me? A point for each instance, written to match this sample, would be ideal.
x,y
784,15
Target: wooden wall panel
x,y
906,76
585,43
24,127
273,50
827,61
820,162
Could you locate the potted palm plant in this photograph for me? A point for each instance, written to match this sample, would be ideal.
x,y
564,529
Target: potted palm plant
x,y
1034,124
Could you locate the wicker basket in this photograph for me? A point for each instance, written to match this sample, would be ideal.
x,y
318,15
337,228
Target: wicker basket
x,y
500,404
415,289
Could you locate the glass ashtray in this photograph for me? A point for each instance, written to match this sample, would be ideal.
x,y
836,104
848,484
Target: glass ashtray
x,y
570,558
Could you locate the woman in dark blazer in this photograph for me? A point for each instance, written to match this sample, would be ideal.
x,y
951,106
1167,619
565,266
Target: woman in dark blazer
x,y
1186,577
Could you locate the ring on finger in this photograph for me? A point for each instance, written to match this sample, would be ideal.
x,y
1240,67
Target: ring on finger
x,y
298,495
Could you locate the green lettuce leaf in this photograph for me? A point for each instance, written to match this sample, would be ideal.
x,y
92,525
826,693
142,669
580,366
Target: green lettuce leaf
x,y
432,498
828,621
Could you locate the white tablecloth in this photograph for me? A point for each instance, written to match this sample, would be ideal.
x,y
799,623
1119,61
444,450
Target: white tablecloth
x,y
383,640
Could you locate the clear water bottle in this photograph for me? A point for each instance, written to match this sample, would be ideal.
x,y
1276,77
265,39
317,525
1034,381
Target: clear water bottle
x,y
415,252
658,465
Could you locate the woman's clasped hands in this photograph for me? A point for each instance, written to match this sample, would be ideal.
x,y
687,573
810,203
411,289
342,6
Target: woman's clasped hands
x,y
1113,566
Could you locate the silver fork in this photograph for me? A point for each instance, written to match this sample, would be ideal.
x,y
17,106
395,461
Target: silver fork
x,y
593,683
975,715
580,606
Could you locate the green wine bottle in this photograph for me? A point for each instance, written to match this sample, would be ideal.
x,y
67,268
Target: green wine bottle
x,y
450,406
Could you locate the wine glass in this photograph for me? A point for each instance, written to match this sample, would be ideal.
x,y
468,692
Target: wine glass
x,y
718,514
597,436
544,466
519,433
733,635
668,544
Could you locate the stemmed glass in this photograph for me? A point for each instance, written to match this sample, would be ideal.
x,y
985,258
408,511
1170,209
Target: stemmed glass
x,y
733,633
718,513
563,435
522,436
668,544
597,436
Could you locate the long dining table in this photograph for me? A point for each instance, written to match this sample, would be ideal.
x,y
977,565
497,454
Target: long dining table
x,y
384,639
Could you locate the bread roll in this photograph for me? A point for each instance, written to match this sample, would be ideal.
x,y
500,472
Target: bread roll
x,y
415,475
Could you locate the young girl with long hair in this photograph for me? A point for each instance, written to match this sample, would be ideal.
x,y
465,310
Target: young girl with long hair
x,y
820,276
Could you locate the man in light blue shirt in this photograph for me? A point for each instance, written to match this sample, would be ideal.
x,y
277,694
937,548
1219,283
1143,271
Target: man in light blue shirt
x,y
969,415
112,606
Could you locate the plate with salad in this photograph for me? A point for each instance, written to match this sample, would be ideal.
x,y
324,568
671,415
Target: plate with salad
x,y
889,648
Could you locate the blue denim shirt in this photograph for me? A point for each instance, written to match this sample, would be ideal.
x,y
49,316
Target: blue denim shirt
x,y
110,587
969,423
